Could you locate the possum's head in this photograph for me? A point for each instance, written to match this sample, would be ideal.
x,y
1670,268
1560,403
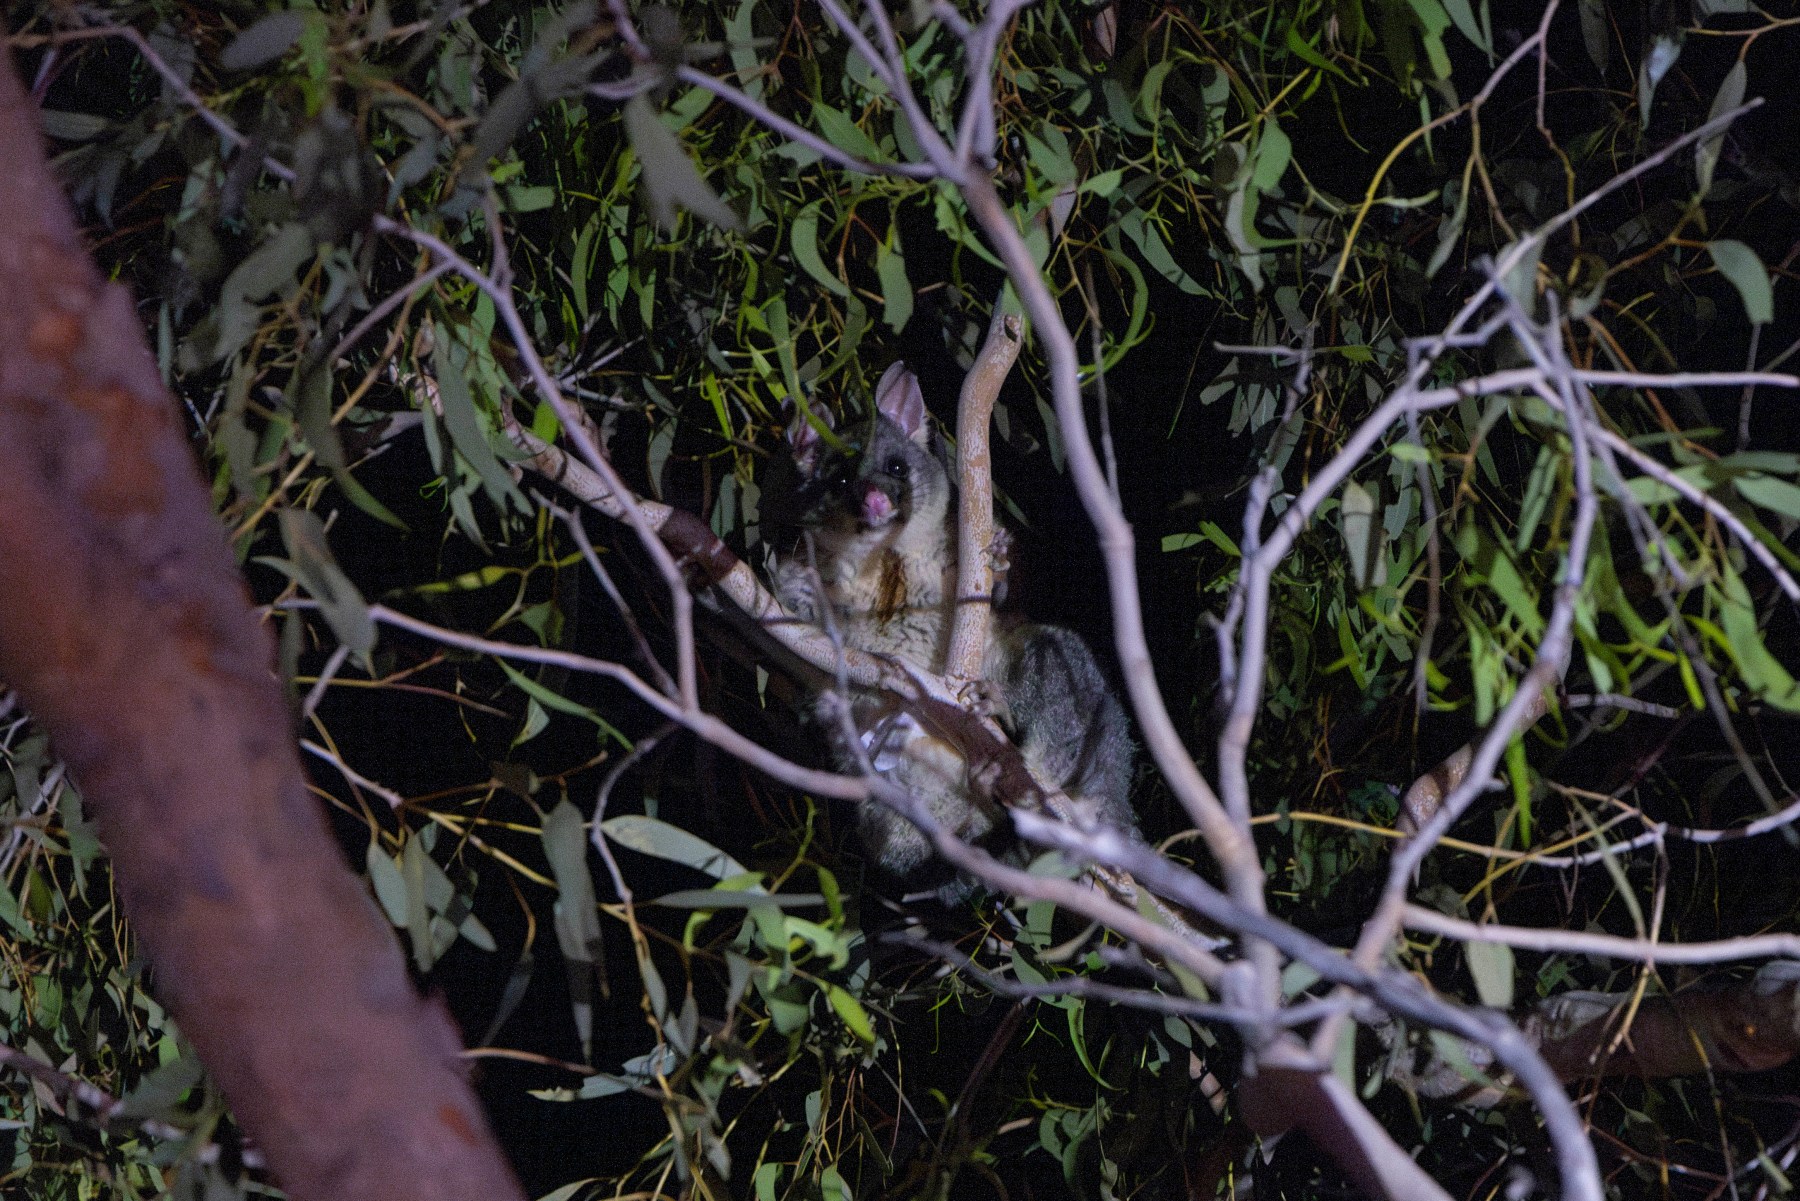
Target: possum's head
x,y
894,477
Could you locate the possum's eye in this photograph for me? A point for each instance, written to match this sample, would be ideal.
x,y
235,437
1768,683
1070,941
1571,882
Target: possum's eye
x,y
896,467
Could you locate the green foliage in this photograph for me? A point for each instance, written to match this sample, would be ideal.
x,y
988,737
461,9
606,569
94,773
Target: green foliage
x,y
1233,172
116,1080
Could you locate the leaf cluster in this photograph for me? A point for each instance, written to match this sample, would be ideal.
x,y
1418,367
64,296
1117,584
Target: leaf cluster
x,y
1237,173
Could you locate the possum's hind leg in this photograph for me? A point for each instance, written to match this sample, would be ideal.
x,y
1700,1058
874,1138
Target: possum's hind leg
x,y
1068,723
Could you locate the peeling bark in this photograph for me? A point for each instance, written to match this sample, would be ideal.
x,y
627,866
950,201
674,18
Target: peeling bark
x,y
127,631
1750,1026
1728,1029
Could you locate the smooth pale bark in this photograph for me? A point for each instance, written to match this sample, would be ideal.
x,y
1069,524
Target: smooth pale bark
x,y
127,631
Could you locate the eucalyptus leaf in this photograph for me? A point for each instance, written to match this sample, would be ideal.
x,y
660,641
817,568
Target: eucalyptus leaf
x,y
1361,533
1775,495
719,898
670,178
389,885
309,394
652,836
468,431
1273,154
803,237
551,699
577,916
311,563
1729,96
1449,232
1492,966
851,1013
268,268
268,39
159,1093
70,127
896,289
1739,264
1596,33
1663,53
413,860
844,133
1462,15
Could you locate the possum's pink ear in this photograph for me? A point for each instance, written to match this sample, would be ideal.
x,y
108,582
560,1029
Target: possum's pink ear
x,y
899,399
804,439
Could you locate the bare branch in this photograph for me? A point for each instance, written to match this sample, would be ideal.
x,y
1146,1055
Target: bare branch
x,y
1229,841
127,631
394,799
576,429
101,1107
698,721
1611,946
1396,991
975,497
829,151
1717,511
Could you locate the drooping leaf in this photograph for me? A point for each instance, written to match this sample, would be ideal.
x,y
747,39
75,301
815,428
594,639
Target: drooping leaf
x,y
551,699
1273,154
389,885
1775,495
1739,264
1596,33
1664,51
851,1013
415,863
1743,638
269,38
268,268
1729,96
1432,21
804,238
844,133
311,563
70,127
896,289
364,500
1463,16
1361,533
1449,230
670,178
577,913
651,836
309,393
158,1094
467,429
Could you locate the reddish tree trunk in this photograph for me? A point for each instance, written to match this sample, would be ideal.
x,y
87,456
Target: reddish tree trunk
x,y
127,631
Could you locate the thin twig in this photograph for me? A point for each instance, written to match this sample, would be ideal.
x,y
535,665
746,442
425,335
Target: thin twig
x,y
827,150
576,429
1610,946
394,799
704,724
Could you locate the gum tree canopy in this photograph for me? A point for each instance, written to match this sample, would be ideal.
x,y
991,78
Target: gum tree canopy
x,y
1395,393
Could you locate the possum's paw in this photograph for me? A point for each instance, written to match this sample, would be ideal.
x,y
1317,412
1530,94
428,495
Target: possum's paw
x,y
985,699
1000,560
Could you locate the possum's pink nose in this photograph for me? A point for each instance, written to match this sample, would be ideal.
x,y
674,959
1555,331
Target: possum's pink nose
x,y
877,506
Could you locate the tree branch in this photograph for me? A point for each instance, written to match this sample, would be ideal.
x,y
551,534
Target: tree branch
x,y
127,631
975,496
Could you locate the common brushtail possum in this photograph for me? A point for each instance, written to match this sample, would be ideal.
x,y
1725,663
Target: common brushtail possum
x,y
880,559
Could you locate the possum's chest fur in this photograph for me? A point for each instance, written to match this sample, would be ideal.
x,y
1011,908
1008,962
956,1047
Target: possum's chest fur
x,y
893,593
890,592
